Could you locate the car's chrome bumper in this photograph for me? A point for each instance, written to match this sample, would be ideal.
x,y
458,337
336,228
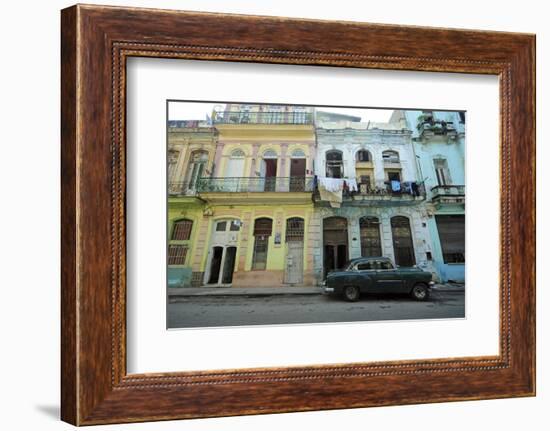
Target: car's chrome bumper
x,y
432,284
328,290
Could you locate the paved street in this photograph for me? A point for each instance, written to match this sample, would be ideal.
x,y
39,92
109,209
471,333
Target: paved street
x,y
235,310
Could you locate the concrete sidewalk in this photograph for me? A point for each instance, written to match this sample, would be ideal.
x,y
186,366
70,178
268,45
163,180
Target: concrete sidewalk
x,y
450,287
243,291
270,291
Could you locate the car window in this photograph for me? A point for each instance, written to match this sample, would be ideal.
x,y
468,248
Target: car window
x,y
386,265
363,266
348,266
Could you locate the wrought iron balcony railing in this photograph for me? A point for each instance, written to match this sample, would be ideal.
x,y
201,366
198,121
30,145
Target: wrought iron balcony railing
x,y
382,192
391,188
254,184
266,117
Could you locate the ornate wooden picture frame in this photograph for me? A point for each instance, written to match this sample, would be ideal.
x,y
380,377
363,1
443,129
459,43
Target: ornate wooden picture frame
x,y
96,41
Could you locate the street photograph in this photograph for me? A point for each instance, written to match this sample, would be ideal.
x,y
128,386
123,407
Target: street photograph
x,y
298,214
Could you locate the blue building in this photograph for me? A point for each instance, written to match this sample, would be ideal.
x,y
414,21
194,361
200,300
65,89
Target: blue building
x,y
439,145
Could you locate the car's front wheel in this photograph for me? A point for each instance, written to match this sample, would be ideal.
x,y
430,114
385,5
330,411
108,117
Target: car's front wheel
x,y
420,292
351,293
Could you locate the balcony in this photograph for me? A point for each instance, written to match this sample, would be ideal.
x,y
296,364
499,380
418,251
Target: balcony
x,y
255,190
382,193
428,127
181,188
255,184
266,117
448,195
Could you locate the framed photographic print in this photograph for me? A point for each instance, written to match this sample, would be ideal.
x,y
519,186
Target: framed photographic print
x,y
260,217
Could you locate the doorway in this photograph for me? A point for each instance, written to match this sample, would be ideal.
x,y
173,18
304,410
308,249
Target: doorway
x,y
402,241
262,231
297,175
294,262
335,244
223,253
268,172
234,171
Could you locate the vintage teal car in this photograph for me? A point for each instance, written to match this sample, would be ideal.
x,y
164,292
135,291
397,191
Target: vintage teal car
x,y
377,275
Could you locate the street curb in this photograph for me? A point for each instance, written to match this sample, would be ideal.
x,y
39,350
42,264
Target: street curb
x,y
189,295
448,289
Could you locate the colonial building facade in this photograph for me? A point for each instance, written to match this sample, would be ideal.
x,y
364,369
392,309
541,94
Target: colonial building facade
x,y
274,195
383,212
438,139
251,206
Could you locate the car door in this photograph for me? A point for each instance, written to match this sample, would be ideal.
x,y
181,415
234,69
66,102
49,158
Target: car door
x,y
388,279
367,275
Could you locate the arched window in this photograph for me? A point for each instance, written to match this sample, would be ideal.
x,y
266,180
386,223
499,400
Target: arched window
x,y
402,241
298,154
182,230
334,164
270,154
294,229
390,156
262,232
234,168
237,154
363,156
370,237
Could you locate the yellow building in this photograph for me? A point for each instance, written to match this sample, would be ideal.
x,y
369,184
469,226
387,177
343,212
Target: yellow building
x,y
240,206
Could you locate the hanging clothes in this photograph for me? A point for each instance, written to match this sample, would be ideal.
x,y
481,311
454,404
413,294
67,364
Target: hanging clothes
x,y
352,184
330,190
331,184
395,186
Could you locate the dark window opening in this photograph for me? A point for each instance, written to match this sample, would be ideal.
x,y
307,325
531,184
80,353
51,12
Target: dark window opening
x,y
363,156
452,237
334,165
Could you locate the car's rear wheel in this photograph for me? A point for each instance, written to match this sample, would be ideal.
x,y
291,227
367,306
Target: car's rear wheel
x,y
351,293
420,292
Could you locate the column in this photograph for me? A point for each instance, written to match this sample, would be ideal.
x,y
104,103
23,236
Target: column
x,y
387,239
246,229
216,169
354,236
253,160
